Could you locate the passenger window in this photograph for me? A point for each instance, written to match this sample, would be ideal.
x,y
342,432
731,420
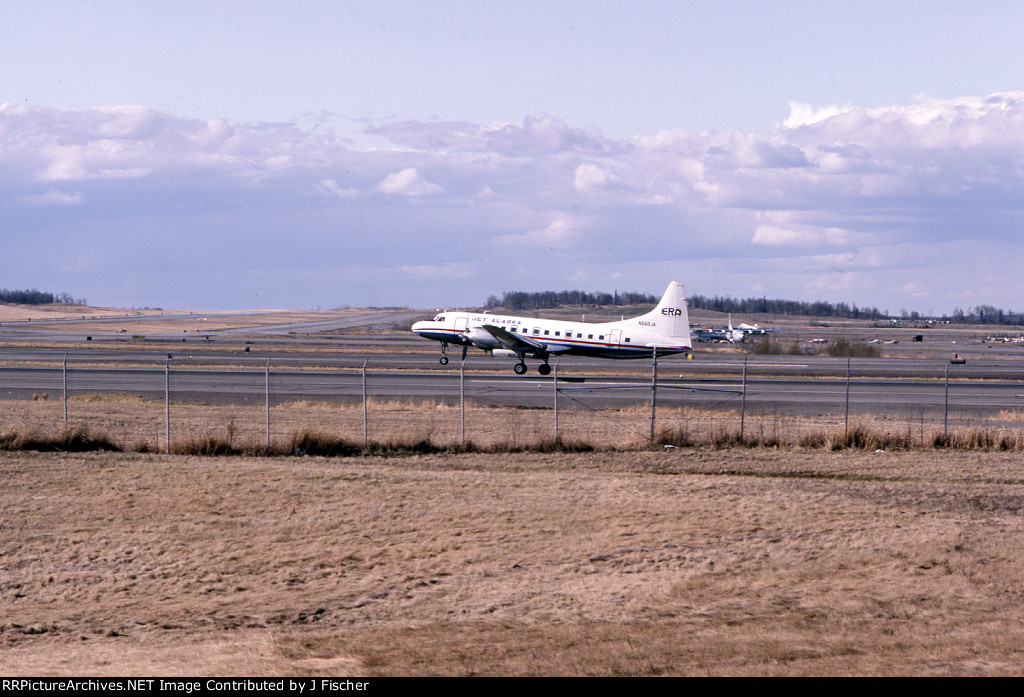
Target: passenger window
x,y
546,332
558,333
590,336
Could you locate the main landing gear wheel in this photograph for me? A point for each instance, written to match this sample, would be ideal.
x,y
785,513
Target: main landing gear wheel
x,y
544,369
520,369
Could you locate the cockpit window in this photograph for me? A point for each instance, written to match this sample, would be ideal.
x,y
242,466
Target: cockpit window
x,y
439,318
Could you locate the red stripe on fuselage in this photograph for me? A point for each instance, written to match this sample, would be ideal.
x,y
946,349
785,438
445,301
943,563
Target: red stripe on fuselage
x,y
573,344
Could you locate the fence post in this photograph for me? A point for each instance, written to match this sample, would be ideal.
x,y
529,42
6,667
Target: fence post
x,y
366,436
167,405
462,398
65,392
846,418
743,399
554,385
654,387
266,391
945,409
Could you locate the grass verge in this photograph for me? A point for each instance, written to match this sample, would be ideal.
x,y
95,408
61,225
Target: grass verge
x,y
321,443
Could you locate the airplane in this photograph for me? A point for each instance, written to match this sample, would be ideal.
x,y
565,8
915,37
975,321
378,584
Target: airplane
x,y
709,334
729,333
743,330
665,328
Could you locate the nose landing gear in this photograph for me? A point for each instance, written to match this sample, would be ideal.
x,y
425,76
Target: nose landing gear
x,y
444,353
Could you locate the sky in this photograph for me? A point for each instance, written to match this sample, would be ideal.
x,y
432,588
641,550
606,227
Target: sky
x,y
244,155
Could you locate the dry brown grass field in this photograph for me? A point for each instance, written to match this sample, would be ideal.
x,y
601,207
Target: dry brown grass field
x,y
785,560
132,423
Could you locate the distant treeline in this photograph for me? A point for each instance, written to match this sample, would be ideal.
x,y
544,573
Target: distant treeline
x,y
37,297
519,300
980,314
818,308
986,314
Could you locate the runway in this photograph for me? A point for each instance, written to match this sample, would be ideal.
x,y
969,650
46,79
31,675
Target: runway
x,y
803,390
325,360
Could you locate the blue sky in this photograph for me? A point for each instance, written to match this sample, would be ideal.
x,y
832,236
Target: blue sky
x,y
270,154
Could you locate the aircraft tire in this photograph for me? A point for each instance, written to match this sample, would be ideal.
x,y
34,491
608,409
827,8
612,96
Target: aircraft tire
x,y
544,369
520,369
444,360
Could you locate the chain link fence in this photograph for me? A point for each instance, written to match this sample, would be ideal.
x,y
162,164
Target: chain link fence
x,y
160,405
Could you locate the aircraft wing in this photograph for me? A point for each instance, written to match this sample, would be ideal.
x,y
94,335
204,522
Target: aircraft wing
x,y
517,342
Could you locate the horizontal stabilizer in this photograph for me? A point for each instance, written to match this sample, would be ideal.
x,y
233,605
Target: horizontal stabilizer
x,y
674,347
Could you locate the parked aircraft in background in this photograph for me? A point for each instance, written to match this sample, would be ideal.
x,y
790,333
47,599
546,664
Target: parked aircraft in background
x,y
666,329
741,332
729,333
709,334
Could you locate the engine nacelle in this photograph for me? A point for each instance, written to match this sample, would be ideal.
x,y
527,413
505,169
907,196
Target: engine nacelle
x,y
504,353
481,338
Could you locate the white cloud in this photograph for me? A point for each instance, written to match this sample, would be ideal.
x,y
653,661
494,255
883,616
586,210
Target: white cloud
x,y
562,232
533,137
136,142
775,235
834,187
460,271
866,258
801,114
330,187
786,228
408,182
98,159
52,197
590,177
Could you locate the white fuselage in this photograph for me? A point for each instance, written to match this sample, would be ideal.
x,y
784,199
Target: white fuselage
x,y
633,338
665,329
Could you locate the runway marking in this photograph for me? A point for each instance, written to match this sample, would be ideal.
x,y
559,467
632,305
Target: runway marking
x,y
720,364
547,382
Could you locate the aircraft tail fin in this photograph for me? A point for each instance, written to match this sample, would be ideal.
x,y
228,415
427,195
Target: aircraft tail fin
x,y
670,317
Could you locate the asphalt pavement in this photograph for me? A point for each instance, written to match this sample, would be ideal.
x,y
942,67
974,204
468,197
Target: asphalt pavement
x,y
326,360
